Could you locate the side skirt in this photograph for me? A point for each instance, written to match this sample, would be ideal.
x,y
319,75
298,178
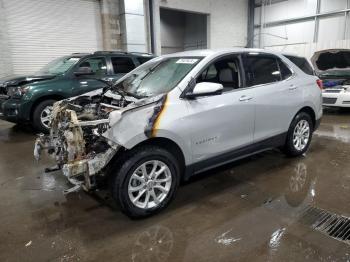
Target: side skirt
x,y
231,156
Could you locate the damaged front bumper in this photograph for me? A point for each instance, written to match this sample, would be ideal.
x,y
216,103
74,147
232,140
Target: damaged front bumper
x,y
80,173
80,162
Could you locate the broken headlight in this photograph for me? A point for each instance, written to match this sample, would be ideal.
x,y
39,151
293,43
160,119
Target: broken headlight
x,y
17,91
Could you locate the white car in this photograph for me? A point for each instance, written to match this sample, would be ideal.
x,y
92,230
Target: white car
x,y
333,68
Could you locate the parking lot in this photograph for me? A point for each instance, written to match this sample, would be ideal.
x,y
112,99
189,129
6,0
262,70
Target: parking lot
x,y
263,208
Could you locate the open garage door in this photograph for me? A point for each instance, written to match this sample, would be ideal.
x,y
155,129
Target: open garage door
x,y
182,31
41,30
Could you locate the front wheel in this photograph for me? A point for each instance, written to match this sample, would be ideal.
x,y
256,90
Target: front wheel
x,y
146,181
42,115
299,135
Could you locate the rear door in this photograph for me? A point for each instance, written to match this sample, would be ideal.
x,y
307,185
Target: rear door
x,y
276,95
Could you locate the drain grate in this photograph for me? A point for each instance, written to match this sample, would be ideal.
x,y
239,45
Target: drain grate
x,y
333,225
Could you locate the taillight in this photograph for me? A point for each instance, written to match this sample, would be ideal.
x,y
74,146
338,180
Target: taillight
x,y
319,83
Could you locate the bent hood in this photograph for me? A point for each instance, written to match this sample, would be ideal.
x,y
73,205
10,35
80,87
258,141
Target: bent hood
x,y
11,81
332,62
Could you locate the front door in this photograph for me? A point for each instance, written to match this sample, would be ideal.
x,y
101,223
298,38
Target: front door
x,y
86,83
221,123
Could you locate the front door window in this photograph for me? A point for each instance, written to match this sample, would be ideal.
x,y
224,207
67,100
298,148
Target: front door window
x,y
97,65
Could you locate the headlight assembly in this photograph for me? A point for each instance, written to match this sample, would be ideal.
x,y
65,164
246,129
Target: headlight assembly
x,y
346,88
17,91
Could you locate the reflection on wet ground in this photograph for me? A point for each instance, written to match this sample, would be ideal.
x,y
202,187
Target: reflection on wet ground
x,y
253,210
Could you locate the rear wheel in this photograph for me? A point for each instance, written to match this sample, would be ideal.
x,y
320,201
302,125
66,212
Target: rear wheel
x,y
146,181
42,115
299,135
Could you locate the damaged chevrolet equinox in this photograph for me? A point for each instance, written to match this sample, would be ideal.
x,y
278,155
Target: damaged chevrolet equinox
x,y
178,115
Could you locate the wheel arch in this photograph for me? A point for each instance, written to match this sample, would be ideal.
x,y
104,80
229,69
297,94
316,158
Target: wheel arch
x,y
309,111
168,145
43,98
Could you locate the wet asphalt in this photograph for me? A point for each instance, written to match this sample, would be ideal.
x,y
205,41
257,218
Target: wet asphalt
x,y
253,210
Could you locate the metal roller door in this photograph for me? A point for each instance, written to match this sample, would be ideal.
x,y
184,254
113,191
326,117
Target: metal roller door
x,y
41,30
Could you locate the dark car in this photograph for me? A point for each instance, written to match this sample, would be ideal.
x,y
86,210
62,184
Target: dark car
x,y
30,98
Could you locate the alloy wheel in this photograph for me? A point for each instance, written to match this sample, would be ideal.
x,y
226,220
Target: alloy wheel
x,y
301,135
45,116
149,184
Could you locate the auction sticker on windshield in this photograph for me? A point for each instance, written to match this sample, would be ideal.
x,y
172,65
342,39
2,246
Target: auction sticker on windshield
x,y
186,61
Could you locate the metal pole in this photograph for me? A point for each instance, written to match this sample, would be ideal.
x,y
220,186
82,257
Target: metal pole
x,y
250,31
151,25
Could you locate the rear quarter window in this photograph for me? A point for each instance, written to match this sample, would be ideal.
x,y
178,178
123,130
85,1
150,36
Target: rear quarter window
x,y
143,59
302,63
284,70
122,65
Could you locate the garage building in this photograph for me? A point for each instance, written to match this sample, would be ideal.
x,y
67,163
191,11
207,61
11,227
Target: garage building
x,y
234,146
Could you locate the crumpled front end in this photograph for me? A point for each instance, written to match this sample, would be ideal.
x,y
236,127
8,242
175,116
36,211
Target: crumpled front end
x,y
87,131
76,143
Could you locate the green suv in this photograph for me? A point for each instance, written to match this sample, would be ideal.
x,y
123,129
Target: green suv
x,y
30,98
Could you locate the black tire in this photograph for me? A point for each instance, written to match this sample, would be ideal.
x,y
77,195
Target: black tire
x,y
129,163
37,123
289,147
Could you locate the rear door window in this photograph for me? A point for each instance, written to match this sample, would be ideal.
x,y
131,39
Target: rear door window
x,y
261,69
122,65
302,63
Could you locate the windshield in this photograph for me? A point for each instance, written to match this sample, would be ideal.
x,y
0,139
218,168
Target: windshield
x,y
59,66
158,77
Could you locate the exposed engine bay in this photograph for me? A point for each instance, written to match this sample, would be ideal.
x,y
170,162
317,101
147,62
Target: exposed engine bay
x,y
76,142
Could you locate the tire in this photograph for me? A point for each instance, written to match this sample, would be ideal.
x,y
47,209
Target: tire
x,y
123,181
37,115
292,149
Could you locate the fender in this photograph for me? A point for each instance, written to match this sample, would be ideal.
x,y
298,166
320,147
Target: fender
x,y
131,127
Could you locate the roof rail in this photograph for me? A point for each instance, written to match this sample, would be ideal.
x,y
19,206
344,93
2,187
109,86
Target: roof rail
x,y
81,53
141,53
110,52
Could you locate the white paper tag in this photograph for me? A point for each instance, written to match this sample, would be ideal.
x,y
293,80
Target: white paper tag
x,y
186,61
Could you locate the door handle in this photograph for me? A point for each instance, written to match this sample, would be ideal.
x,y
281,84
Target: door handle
x,y
245,98
292,87
83,83
108,79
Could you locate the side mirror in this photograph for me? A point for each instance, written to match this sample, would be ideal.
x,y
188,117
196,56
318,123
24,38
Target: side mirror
x,y
205,89
84,70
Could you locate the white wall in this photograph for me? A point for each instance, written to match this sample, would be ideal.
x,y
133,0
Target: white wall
x,y
286,10
42,30
5,54
133,23
299,37
227,26
308,49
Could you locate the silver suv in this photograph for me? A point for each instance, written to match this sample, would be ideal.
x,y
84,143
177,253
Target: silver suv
x,y
178,115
